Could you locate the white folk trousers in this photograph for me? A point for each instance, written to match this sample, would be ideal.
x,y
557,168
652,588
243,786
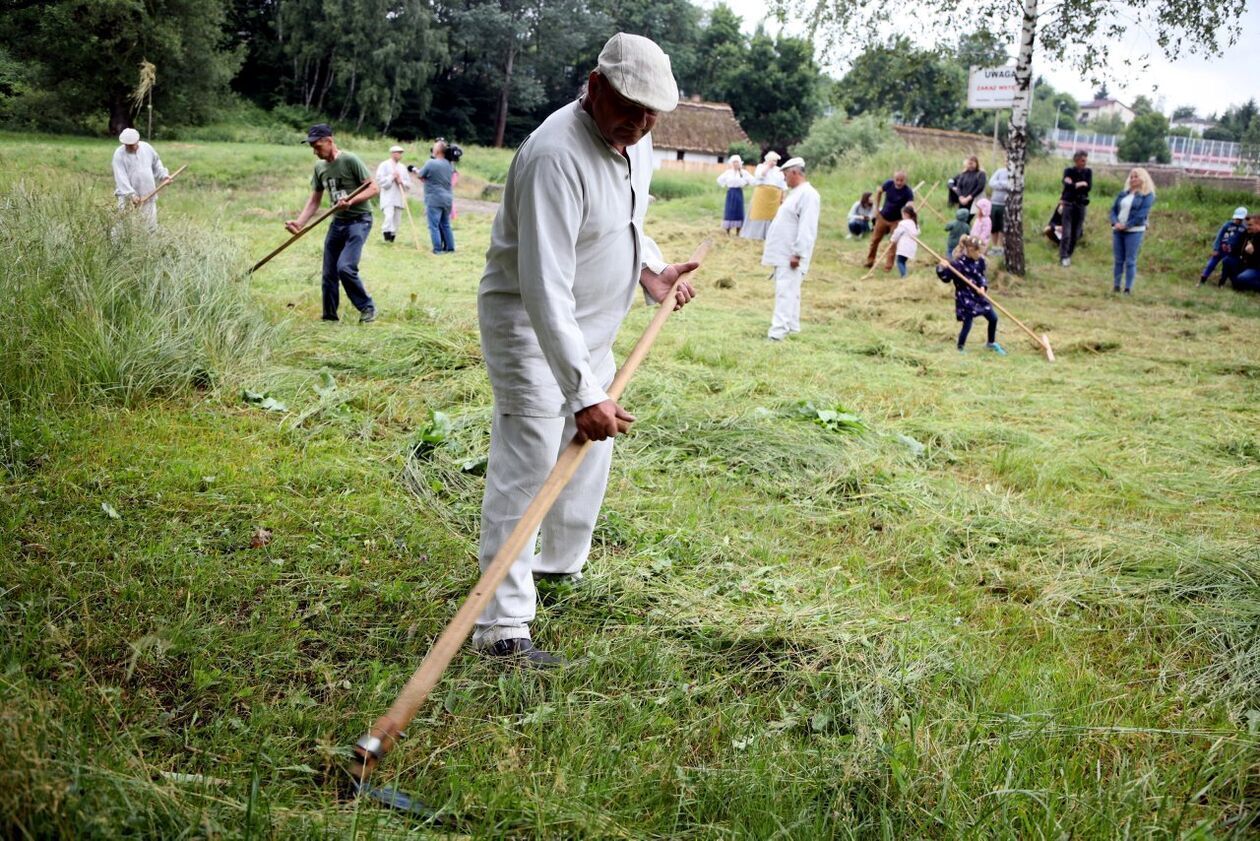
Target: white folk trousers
x,y
522,452
787,302
393,219
145,213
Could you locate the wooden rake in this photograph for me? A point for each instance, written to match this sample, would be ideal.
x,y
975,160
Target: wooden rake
x,y
923,202
1043,341
385,733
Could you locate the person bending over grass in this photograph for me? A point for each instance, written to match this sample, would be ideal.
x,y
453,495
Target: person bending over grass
x,y
968,303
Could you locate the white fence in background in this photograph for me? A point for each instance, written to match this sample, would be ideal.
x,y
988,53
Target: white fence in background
x,y
1190,153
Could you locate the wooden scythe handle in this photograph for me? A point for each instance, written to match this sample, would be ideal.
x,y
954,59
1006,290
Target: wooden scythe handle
x,y
309,225
159,187
385,732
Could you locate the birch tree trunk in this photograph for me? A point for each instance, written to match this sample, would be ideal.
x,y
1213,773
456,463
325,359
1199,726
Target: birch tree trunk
x,y
1017,143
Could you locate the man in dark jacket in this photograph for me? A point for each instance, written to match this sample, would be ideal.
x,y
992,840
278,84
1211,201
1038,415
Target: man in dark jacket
x,y
1077,181
1245,275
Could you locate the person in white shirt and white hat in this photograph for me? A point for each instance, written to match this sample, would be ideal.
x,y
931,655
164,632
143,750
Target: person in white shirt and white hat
x,y
567,252
789,246
394,182
138,171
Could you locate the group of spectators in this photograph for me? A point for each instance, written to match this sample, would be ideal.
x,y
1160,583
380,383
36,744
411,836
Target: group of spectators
x,y
1236,250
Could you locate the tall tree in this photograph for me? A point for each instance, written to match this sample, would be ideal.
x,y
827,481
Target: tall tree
x,y
511,60
357,61
83,56
774,91
1080,31
1145,140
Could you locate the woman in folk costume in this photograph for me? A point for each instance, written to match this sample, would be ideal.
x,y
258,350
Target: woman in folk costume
x,y
734,179
769,187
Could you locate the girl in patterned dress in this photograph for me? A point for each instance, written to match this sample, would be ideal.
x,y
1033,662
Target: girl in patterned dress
x,y
968,303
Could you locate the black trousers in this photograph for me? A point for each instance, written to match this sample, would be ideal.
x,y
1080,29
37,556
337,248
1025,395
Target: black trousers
x,y
966,327
1073,227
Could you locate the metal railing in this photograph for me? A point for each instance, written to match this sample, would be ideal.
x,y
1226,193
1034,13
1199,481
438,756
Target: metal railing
x,y
1190,153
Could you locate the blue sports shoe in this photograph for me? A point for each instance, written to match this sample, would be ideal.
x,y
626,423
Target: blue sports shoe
x,y
996,348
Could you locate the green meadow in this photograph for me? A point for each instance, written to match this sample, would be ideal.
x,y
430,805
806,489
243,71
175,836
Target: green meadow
x,y
853,585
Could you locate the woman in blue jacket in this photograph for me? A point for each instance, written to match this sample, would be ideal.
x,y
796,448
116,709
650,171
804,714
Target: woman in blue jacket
x,y
1128,225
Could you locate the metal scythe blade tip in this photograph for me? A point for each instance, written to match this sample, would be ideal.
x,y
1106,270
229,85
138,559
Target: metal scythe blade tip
x,y
394,799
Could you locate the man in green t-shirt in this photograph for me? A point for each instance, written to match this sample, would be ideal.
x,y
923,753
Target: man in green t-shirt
x,y
339,174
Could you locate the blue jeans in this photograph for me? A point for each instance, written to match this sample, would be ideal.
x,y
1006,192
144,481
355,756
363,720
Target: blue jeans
x,y
859,227
901,265
1126,245
343,246
440,228
1212,263
1248,280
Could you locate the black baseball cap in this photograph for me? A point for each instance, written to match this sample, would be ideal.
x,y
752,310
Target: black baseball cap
x,y
317,131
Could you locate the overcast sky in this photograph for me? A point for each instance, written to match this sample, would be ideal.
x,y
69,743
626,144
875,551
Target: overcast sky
x,y
1211,85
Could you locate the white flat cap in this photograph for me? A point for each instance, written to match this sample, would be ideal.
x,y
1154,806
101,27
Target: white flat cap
x,y
396,148
771,156
791,163
639,70
129,136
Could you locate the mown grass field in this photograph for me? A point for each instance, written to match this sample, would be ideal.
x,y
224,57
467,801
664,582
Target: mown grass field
x,y
1022,601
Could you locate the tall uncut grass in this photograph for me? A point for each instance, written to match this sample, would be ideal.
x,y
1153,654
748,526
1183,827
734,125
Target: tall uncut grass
x,y
102,309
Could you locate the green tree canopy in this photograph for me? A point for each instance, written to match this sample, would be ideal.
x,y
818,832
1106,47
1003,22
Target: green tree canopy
x,y
1146,140
774,91
73,63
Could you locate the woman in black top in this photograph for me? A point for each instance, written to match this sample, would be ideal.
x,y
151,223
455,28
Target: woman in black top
x,y
968,185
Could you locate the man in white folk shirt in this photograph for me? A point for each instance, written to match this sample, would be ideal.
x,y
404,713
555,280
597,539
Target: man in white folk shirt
x,y
567,252
138,171
393,181
789,246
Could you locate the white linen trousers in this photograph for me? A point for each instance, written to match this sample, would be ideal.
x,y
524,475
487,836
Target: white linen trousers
x,y
523,450
393,219
787,302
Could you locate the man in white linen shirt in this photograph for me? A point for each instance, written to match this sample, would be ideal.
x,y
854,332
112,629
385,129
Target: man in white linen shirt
x,y
567,251
393,181
137,172
789,245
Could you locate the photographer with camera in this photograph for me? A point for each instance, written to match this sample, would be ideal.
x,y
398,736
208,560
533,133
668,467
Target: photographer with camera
x,y
438,177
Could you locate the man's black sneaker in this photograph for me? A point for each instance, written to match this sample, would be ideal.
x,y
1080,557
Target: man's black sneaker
x,y
368,316
523,651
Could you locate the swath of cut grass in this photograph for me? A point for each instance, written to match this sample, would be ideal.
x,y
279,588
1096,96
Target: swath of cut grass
x,y
101,308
